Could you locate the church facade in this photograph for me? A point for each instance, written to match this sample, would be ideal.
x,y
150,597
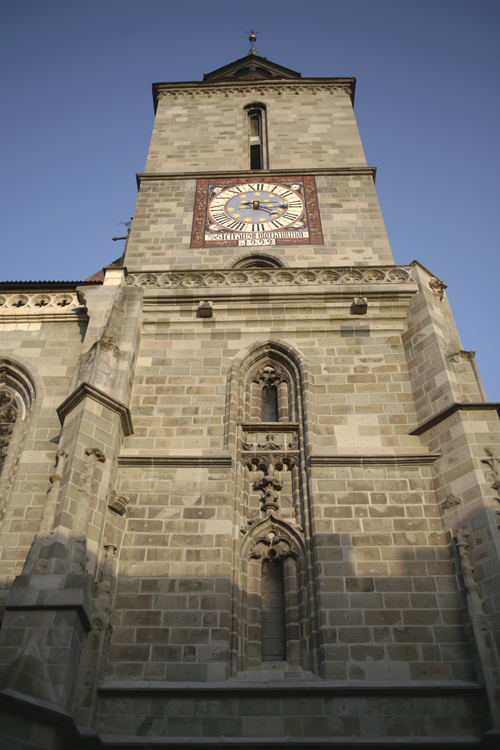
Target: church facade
x,y
250,485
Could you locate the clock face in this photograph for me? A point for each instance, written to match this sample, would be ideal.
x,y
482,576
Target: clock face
x,y
244,212
256,207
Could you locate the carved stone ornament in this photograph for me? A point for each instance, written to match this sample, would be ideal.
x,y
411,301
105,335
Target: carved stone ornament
x,y
8,416
436,286
462,543
251,88
451,500
245,444
117,502
269,445
270,374
274,539
269,485
460,356
494,463
269,277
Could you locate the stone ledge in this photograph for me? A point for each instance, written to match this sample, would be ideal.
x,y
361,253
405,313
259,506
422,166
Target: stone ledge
x,y
432,687
31,598
380,278
224,460
319,171
374,460
476,406
85,390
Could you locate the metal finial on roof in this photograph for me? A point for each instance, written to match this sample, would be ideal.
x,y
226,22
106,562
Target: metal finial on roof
x,y
253,38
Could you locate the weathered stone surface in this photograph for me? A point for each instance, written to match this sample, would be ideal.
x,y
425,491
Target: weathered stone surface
x,y
281,432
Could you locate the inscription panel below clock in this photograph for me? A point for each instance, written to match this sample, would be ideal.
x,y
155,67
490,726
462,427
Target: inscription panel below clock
x,y
248,212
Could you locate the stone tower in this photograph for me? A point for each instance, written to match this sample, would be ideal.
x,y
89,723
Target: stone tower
x,y
250,480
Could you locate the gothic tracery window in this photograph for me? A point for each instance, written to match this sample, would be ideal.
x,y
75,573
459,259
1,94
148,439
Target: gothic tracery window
x,y
8,416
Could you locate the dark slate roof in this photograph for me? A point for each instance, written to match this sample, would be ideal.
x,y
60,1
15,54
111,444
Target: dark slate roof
x,y
96,278
251,67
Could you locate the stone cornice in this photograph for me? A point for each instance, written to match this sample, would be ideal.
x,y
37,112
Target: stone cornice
x,y
318,172
176,461
381,459
272,277
248,87
85,390
23,306
287,687
450,410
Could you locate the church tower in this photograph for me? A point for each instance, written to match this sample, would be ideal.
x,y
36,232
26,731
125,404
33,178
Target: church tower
x,y
250,477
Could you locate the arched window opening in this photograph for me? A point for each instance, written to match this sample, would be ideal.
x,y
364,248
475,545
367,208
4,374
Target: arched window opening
x,y
256,116
273,611
8,417
258,261
270,412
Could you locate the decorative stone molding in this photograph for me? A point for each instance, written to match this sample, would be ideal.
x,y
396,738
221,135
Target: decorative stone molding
x,y
274,539
419,459
271,277
262,462
8,416
224,461
86,390
450,410
269,485
270,374
494,470
37,304
252,89
269,445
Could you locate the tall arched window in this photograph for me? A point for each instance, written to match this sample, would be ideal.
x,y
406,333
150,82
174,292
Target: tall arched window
x,y
17,398
257,136
8,416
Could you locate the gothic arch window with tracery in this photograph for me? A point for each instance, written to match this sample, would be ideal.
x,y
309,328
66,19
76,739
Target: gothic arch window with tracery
x,y
9,411
274,584
17,398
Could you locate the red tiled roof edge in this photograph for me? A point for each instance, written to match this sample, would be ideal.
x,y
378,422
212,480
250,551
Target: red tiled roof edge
x,y
99,276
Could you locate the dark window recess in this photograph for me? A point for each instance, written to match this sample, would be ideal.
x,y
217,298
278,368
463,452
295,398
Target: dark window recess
x,y
255,157
270,404
273,612
255,125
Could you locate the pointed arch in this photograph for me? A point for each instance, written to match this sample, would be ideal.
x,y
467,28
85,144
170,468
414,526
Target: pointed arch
x,y
274,561
246,364
17,402
272,500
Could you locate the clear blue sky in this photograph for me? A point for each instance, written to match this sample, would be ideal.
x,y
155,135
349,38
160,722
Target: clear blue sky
x,y
77,118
